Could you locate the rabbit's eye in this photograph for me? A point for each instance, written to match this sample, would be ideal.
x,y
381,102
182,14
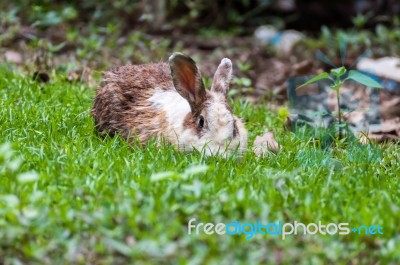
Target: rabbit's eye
x,y
201,121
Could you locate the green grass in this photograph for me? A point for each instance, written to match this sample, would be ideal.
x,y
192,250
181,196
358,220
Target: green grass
x,y
70,197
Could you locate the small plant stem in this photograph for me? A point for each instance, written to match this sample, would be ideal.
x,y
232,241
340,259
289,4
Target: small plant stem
x,y
339,112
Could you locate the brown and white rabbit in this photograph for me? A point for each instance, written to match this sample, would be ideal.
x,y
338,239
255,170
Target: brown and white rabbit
x,y
170,102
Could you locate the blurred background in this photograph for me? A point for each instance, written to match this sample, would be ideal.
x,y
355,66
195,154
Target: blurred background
x,y
268,40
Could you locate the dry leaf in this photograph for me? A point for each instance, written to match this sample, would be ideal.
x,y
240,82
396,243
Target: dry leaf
x,y
265,143
13,57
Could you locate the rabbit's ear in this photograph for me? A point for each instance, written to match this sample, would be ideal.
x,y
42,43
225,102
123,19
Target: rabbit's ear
x,y
187,80
222,76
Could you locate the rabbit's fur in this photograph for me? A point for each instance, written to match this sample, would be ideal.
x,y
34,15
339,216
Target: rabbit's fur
x,y
170,102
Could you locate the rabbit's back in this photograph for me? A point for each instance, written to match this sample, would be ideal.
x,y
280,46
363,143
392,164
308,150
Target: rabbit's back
x,y
144,76
121,102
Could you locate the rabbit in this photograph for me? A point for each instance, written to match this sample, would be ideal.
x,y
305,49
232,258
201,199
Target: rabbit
x,y
170,102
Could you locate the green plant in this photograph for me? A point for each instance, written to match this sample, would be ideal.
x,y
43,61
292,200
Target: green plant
x,y
244,66
338,77
361,20
240,85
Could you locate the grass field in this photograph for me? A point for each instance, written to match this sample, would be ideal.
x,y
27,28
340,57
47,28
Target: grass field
x,y
68,196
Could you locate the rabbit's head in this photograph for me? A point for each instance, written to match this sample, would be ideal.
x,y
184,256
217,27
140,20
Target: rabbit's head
x,y
210,123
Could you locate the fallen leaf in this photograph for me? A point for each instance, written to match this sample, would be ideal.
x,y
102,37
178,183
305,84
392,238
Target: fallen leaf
x,y
13,57
263,144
